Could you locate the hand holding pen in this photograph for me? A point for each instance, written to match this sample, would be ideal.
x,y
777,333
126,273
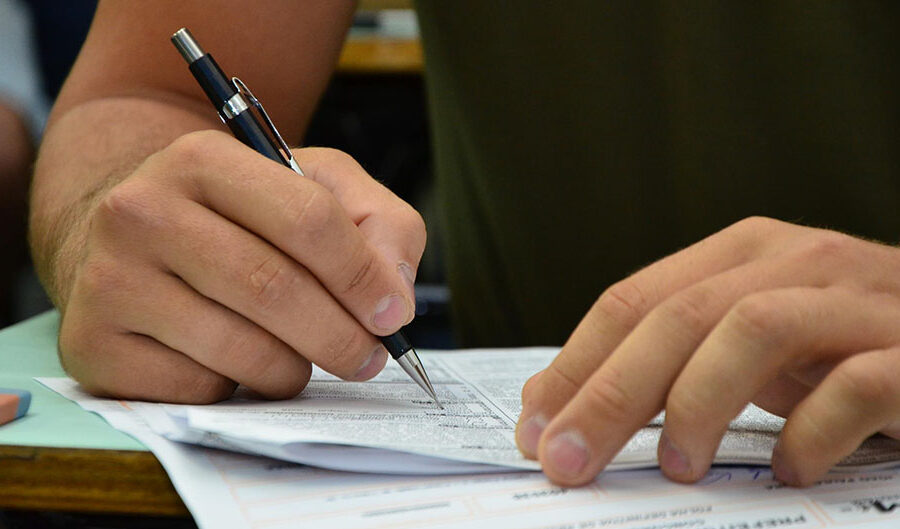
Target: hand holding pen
x,y
233,100
207,265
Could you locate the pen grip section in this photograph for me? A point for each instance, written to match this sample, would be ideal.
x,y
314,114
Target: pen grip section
x,y
396,344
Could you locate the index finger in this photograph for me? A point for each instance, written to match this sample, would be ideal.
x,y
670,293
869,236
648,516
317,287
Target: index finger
x,y
389,224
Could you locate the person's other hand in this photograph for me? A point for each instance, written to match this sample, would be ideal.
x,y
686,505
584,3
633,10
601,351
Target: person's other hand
x,y
211,265
803,322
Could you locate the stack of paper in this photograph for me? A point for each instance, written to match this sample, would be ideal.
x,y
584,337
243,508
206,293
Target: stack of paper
x,y
388,425
364,426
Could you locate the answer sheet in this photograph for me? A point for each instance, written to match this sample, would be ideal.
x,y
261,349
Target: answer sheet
x,y
225,490
389,426
337,424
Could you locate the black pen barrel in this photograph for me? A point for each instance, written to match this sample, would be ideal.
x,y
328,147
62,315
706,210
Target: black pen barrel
x,y
217,87
396,344
221,92
249,131
244,125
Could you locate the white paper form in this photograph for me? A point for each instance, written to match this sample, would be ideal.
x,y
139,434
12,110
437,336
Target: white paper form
x,y
481,392
232,491
389,412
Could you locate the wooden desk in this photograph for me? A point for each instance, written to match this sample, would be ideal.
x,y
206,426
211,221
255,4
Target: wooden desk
x,y
86,480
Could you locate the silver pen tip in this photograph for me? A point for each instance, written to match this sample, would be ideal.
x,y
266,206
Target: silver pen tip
x,y
430,390
433,395
416,371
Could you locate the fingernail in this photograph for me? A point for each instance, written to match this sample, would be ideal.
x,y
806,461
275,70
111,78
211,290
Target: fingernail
x,y
530,434
372,365
567,453
782,470
672,461
390,313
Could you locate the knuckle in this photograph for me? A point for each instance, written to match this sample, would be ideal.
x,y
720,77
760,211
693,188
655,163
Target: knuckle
x,y
416,221
754,225
412,224
560,372
551,388
764,317
270,281
335,156
262,361
750,236
343,353
804,435
311,215
334,162
860,382
334,159
688,310
126,203
685,408
623,302
363,274
827,249
420,232
409,226
192,148
606,395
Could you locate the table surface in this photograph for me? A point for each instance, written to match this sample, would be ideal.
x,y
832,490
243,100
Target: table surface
x,y
60,457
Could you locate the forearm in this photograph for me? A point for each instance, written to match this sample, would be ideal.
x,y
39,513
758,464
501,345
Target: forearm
x,y
85,152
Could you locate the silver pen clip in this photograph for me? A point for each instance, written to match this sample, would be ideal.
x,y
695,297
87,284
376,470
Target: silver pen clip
x,y
285,151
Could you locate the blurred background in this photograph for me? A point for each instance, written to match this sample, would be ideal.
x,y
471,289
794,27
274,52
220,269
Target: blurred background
x,y
374,110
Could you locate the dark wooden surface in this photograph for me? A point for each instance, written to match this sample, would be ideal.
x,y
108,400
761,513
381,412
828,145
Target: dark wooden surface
x,y
79,480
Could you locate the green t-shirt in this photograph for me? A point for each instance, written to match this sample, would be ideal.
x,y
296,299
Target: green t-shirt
x,y
576,141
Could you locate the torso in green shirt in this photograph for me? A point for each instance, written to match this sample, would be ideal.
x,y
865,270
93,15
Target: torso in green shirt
x,y
577,141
